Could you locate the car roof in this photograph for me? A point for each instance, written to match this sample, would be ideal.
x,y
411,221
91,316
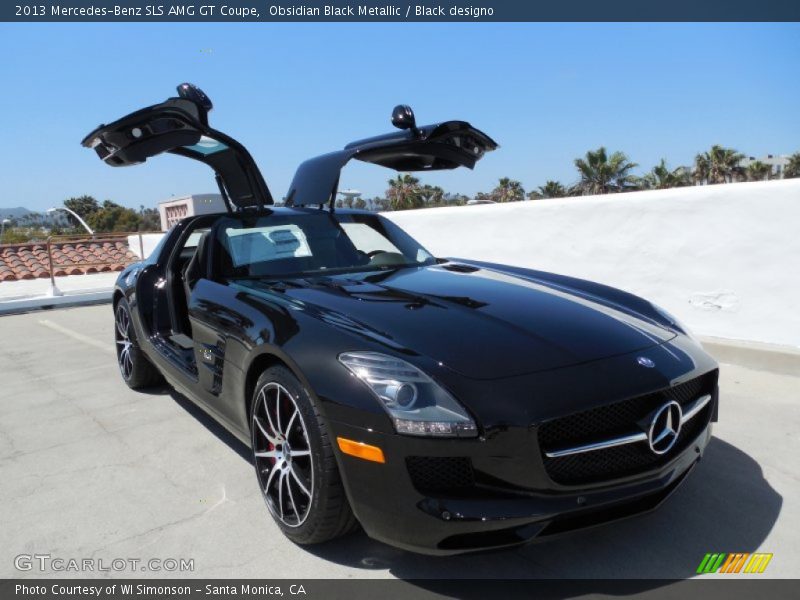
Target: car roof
x,y
283,210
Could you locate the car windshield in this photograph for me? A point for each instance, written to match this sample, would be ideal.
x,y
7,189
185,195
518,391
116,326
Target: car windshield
x,y
302,244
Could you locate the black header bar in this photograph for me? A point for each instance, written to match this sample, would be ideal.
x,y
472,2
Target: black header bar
x,y
398,11
705,587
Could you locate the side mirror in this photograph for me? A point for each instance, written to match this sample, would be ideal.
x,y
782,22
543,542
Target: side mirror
x,y
403,117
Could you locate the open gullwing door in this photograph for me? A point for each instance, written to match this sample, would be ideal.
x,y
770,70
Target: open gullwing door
x,y
447,145
180,126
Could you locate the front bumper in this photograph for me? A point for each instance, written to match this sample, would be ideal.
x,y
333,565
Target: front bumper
x,y
516,492
392,510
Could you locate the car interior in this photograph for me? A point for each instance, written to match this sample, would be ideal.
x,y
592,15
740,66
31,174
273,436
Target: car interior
x,y
185,268
268,247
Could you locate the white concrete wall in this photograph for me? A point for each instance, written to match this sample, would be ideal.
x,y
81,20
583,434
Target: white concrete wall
x,y
725,259
149,242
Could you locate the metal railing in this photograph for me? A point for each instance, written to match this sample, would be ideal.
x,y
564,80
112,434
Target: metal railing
x,y
97,238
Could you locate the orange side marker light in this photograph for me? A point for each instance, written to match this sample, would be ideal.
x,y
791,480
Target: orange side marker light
x,y
360,450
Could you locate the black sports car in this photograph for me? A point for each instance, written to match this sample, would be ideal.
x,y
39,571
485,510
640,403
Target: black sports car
x,y
445,405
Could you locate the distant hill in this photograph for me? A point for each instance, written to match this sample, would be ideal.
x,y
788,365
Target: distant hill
x,y
14,213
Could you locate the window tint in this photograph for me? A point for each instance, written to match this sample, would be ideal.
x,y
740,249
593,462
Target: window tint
x,y
367,239
188,248
312,243
249,246
194,238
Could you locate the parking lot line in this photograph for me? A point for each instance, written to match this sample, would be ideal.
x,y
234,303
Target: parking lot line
x,y
78,336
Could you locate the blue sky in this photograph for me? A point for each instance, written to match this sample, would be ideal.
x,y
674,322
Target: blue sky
x,y
545,92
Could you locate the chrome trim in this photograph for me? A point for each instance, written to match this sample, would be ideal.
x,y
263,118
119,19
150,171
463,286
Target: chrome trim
x,y
620,441
698,405
632,438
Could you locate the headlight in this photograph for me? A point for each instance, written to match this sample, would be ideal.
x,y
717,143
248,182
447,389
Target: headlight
x,y
676,324
416,403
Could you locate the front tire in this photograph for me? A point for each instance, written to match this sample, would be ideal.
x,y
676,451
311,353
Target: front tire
x,y
136,370
294,461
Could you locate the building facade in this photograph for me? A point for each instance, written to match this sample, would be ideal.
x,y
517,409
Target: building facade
x,y
175,209
777,163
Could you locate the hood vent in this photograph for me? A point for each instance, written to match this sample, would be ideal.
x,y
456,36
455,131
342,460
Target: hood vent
x,y
460,268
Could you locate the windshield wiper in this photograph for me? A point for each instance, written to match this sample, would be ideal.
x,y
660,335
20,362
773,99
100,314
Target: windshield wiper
x,y
291,278
274,284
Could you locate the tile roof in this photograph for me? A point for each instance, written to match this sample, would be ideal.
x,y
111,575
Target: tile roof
x,y
29,261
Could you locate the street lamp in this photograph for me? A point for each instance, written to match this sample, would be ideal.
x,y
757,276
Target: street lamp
x,y
54,291
74,214
3,228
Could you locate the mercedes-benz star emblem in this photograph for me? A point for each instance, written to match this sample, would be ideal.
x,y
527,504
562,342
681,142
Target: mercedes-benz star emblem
x,y
665,427
645,362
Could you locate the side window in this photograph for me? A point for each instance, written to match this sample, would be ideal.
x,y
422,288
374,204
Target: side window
x,y
368,240
188,249
194,238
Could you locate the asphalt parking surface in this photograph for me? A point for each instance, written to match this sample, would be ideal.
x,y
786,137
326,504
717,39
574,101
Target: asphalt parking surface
x,y
91,469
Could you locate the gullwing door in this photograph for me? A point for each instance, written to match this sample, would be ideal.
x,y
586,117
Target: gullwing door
x,y
447,145
179,126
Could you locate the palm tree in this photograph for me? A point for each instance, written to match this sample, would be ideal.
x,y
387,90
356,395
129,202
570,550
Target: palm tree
x,y
551,189
508,190
404,192
455,199
661,177
793,168
601,174
379,204
758,171
432,195
718,165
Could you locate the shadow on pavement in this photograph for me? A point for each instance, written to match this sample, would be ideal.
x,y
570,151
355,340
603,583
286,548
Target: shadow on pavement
x,y
209,423
725,505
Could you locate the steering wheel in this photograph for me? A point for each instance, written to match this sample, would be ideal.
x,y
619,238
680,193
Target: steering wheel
x,y
375,253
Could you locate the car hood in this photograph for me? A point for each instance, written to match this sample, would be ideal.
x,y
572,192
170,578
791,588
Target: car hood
x,y
482,323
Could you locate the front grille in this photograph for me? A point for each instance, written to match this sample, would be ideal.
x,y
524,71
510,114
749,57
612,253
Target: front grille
x,y
619,419
437,474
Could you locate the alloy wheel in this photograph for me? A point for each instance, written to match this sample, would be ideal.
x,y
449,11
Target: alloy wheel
x,y
122,334
282,455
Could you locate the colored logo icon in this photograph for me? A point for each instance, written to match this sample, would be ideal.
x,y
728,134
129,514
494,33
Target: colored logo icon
x,y
735,562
